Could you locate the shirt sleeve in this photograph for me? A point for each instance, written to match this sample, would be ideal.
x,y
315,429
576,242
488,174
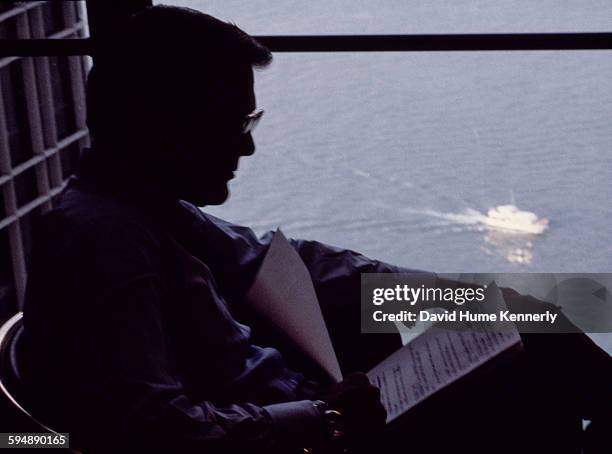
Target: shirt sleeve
x,y
336,276
124,390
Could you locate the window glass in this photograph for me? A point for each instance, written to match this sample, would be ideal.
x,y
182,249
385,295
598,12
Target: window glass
x,y
408,16
401,156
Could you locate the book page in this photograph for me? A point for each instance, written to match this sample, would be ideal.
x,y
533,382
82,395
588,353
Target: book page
x,y
284,295
435,359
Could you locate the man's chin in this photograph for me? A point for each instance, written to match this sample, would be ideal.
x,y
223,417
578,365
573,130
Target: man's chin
x,y
214,197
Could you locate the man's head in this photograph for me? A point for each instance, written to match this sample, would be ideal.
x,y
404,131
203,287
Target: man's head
x,y
170,98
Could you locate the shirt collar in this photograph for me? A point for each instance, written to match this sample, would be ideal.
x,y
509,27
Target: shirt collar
x,y
102,171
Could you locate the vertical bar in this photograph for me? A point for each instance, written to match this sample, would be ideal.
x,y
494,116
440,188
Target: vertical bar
x,y
83,17
18,258
46,99
33,107
10,208
86,60
77,79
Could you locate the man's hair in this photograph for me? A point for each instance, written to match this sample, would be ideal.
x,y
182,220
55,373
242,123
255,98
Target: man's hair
x,y
159,59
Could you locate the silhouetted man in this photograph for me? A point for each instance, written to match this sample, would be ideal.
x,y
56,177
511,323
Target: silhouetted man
x,y
136,338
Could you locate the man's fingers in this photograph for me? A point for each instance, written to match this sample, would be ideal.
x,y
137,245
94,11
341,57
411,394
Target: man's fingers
x,y
374,390
358,378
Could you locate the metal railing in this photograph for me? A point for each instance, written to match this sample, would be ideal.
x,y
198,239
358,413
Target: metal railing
x,y
44,144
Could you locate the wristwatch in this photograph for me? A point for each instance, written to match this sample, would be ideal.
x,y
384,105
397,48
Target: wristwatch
x,y
333,441
333,420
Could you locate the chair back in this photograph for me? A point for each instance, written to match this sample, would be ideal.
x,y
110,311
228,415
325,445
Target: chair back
x,y
11,384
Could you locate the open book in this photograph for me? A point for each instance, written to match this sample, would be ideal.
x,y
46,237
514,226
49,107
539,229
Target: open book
x,y
437,358
283,293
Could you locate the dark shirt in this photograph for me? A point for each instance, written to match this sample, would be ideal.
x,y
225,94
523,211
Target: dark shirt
x,y
132,332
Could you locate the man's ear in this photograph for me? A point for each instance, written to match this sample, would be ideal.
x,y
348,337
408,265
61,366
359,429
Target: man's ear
x,y
159,137
172,142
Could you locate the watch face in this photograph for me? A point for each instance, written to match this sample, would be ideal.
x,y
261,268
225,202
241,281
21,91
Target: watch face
x,y
333,416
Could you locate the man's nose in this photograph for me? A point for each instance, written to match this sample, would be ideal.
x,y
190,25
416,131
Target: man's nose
x,y
247,147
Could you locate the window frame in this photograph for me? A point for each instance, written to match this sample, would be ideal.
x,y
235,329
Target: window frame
x,y
103,18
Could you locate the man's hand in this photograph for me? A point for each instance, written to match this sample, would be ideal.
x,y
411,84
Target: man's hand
x,y
359,402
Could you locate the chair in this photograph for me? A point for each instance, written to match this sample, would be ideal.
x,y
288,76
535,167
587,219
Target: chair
x,y
11,383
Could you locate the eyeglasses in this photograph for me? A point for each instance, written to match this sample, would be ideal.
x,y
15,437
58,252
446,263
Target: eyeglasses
x,y
235,127
251,120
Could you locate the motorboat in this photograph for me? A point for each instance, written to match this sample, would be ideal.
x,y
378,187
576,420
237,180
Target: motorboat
x,y
509,217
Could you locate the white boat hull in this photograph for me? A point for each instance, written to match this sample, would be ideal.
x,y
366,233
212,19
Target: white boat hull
x,y
535,228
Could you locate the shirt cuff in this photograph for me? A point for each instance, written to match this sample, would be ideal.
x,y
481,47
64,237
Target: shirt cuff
x,y
296,423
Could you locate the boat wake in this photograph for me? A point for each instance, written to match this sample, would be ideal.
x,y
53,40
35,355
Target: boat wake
x,y
468,217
